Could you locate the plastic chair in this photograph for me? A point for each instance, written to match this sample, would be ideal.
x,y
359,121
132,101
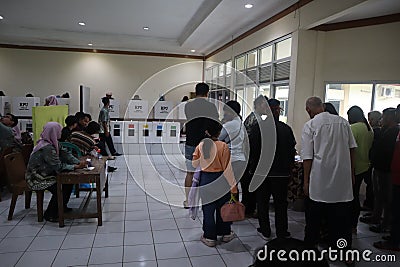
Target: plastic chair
x,y
15,167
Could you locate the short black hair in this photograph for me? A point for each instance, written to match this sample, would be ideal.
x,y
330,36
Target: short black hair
x,y
92,128
105,100
202,89
89,116
71,120
234,105
390,113
330,108
14,119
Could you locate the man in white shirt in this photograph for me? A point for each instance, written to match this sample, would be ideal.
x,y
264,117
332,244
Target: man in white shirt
x,y
327,151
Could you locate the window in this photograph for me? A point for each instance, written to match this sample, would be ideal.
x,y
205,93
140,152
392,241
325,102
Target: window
x,y
239,64
252,59
368,96
283,49
228,67
265,90
282,94
266,54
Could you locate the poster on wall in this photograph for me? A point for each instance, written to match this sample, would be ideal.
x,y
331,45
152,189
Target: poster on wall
x,y
84,99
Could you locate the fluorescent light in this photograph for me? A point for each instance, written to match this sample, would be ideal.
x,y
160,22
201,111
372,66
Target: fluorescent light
x,y
90,44
248,5
82,23
146,28
1,17
192,50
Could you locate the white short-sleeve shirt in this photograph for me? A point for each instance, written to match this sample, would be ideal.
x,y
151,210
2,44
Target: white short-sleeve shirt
x,y
327,139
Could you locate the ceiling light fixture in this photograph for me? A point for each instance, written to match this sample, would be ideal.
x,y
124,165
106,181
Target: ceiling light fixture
x,y
90,44
1,17
248,5
146,28
82,23
192,50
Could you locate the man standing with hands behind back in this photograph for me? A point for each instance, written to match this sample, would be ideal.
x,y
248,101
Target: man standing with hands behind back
x,y
327,152
198,114
104,121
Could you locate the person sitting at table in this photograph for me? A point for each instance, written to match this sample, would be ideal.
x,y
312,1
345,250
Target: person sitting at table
x,y
71,123
83,120
46,161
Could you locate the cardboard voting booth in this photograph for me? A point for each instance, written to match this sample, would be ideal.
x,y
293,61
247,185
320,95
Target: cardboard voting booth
x,y
163,109
145,132
131,132
64,101
181,111
25,125
5,105
22,106
43,114
117,131
113,108
138,109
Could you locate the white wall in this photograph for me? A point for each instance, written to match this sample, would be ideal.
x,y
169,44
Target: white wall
x,y
48,72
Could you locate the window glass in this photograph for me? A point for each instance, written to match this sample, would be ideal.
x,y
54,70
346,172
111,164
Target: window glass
x,y
283,49
266,54
228,67
252,59
250,95
240,63
240,99
265,90
386,96
347,95
221,70
282,94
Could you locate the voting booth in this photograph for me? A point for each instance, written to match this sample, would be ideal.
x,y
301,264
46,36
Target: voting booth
x,y
131,132
117,131
113,109
145,132
25,125
162,110
138,109
181,111
64,101
5,105
22,106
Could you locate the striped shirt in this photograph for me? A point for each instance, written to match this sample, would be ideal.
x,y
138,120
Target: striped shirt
x,y
84,141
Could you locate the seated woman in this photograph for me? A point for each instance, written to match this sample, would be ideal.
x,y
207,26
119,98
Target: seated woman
x,y
45,162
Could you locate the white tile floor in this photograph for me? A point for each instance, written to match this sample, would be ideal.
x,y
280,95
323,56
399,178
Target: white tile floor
x,y
138,230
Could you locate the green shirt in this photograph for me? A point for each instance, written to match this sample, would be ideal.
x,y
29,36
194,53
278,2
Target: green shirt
x,y
104,117
364,140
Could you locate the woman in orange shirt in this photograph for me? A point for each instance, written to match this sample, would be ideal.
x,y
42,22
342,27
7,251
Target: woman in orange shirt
x,y
216,183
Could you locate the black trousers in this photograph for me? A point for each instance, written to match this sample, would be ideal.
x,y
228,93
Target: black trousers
x,y
369,194
395,231
356,194
248,198
52,208
106,140
338,217
278,188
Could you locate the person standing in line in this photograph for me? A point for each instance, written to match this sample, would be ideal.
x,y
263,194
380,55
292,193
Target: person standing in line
x,y
381,158
364,137
233,133
214,158
392,242
253,132
327,152
199,112
105,135
277,180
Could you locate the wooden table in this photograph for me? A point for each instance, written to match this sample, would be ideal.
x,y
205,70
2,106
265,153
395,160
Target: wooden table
x,y
98,176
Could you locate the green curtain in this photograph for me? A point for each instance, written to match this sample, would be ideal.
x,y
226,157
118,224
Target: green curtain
x,y
44,114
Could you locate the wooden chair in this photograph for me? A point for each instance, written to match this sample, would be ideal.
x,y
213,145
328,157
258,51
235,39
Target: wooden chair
x,y
26,152
3,173
15,167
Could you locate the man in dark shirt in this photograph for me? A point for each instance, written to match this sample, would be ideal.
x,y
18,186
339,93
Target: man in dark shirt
x,y
71,122
198,114
276,183
381,155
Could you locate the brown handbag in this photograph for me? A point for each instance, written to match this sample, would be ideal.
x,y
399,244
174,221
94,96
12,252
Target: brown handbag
x,y
233,211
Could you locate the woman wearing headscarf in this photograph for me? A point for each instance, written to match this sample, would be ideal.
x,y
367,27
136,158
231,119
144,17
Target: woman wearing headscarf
x,y
51,100
46,161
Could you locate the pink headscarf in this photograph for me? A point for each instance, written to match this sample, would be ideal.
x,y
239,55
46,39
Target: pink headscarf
x,y
50,135
51,100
